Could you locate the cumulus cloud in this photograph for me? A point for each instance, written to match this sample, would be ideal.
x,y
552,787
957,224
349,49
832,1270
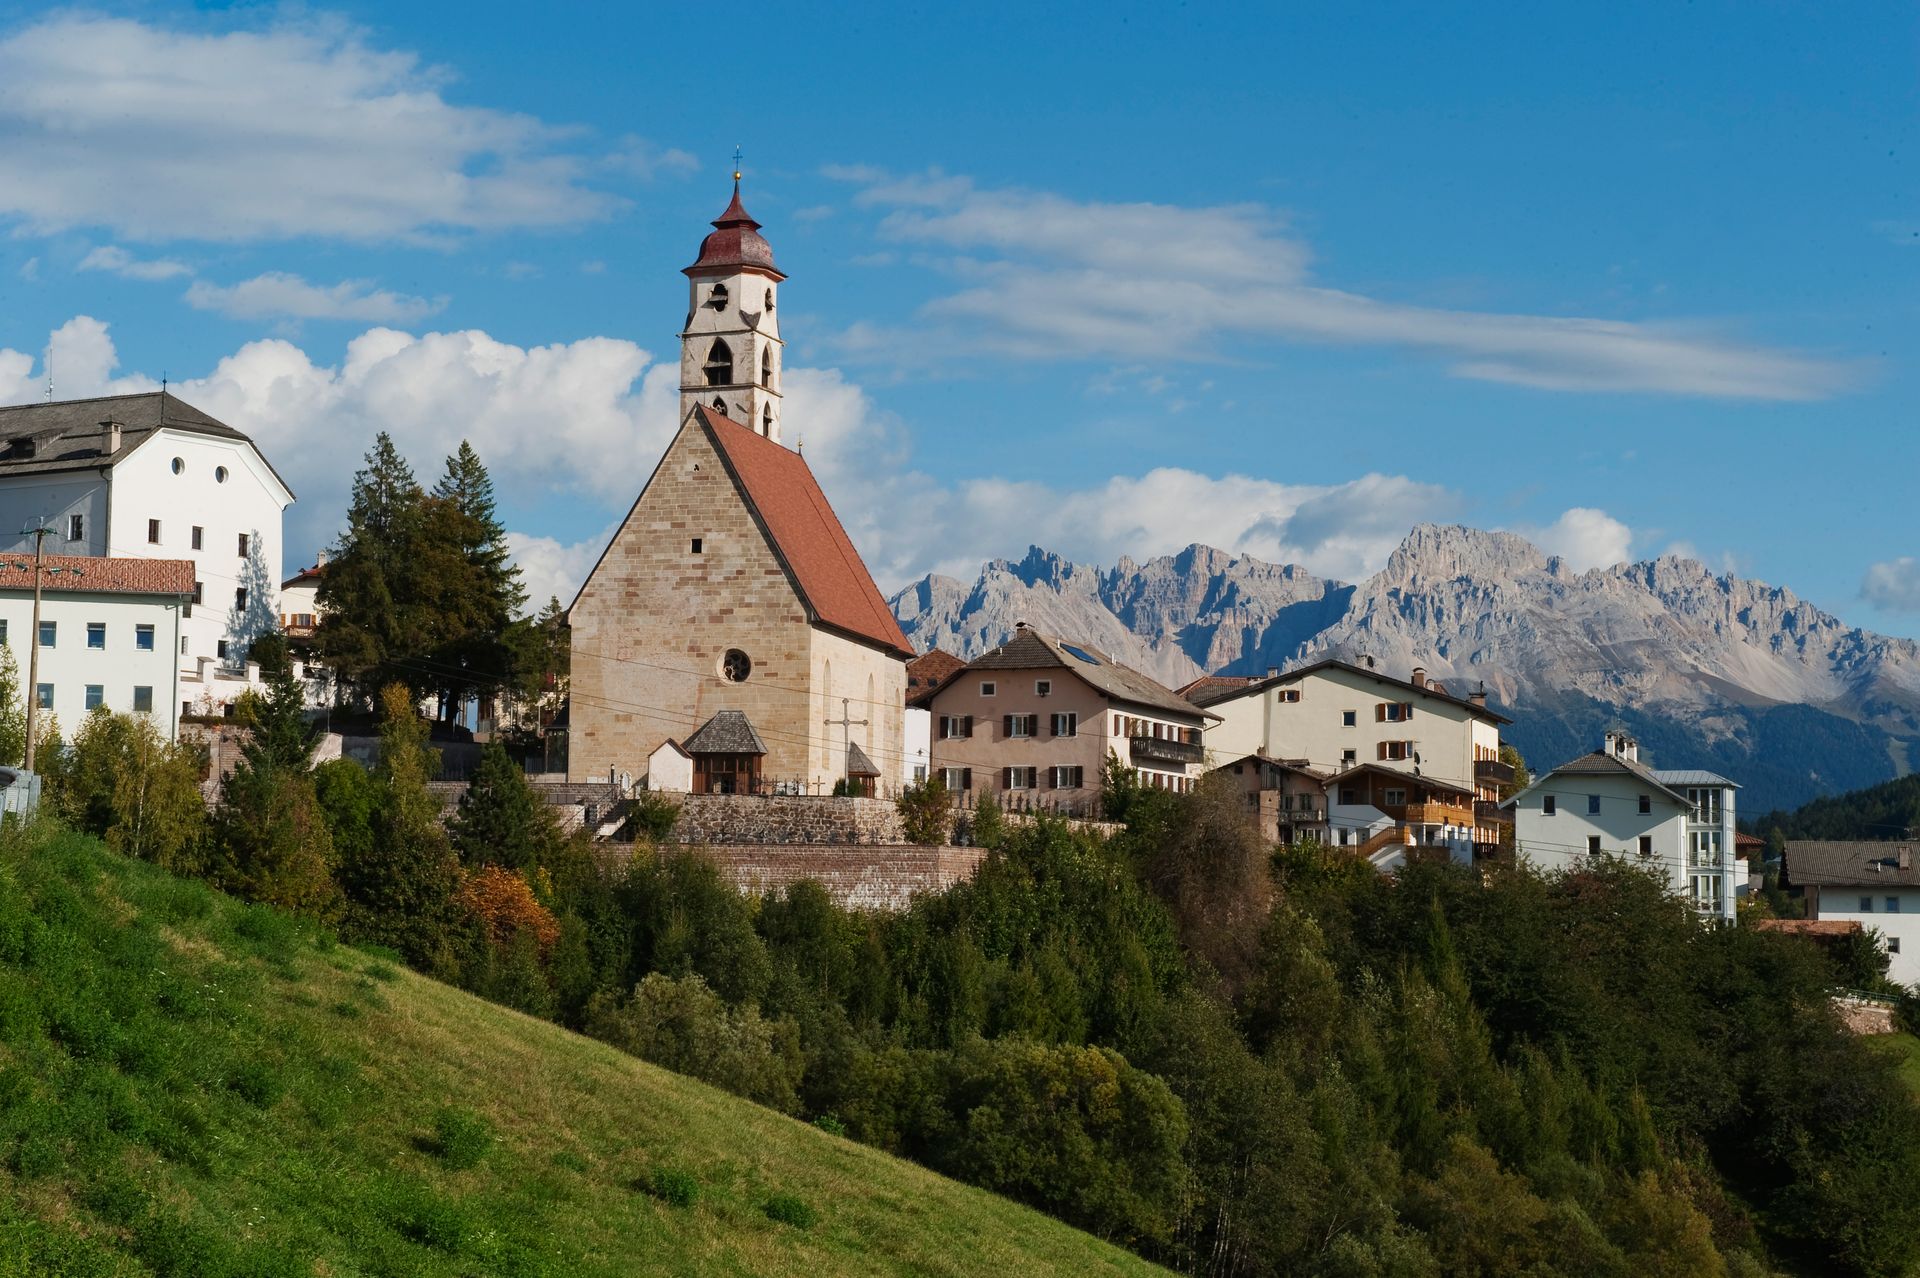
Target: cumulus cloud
x,y
301,128
1585,538
1159,281
586,421
117,261
1894,585
277,294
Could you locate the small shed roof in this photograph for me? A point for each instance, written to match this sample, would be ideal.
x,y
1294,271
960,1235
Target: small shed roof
x,y
858,764
728,732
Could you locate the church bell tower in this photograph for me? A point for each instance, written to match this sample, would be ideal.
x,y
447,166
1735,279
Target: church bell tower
x,y
730,350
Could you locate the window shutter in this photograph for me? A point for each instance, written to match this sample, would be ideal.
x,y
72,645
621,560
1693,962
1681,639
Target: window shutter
x,y
966,726
1033,725
966,778
1052,776
1383,749
1380,712
1006,778
1006,725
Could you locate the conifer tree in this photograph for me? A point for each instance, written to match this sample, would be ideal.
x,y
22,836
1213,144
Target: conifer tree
x,y
373,625
501,820
474,586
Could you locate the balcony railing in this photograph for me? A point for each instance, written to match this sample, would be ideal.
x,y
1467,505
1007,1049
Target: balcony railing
x,y
1492,772
1159,750
1485,813
1429,813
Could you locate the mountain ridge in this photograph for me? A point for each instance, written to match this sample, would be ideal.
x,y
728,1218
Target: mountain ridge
x,y
1740,666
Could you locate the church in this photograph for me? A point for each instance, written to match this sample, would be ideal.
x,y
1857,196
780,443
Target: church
x,y
730,639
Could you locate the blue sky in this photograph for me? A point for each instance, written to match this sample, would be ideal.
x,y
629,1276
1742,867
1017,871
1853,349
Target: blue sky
x,y
1628,280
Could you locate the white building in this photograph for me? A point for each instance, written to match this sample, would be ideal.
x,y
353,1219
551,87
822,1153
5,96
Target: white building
x,y
1875,884
108,631
1333,716
300,601
150,477
1609,803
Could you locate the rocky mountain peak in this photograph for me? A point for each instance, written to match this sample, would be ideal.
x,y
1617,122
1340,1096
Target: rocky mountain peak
x,y
1446,552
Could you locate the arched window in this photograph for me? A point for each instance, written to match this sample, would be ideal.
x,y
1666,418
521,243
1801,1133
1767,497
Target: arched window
x,y
766,367
717,298
719,406
766,420
720,363
769,299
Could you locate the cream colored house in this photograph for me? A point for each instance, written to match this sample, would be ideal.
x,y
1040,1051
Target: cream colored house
x,y
1034,720
731,610
1333,716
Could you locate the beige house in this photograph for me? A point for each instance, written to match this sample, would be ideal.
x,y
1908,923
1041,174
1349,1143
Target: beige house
x,y
1333,716
1034,720
731,613
1286,799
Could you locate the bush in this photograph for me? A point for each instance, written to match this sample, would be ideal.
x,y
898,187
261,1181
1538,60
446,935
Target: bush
x,y
789,1210
673,1187
683,1026
926,811
461,1138
652,817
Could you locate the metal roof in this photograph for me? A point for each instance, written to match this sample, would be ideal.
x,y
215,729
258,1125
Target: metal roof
x,y
1864,863
67,435
1691,776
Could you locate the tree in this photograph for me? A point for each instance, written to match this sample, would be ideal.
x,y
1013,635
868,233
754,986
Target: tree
x,y
281,736
13,711
501,821
400,886
1510,755
373,627
159,813
926,811
473,584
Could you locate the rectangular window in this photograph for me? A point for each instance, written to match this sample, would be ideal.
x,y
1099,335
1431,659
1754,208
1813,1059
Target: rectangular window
x,y
76,527
97,635
1018,778
1349,757
957,779
1349,795
1646,845
1547,805
49,634
220,649
95,695
143,638
3,629
153,531
1396,797
1593,845
1593,805
198,533
1066,725
143,700
1043,687
1349,718
953,726
243,545
1065,778
1018,725
1893,945
1893,905
696,545
45,692
199,590
986,687
1287,694
240,599
1646,804
1866,902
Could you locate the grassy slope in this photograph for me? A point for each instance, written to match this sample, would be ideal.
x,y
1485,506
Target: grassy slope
x,y
190,1085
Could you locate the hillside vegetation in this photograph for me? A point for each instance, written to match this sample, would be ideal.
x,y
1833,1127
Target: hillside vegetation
x,y
190,1085
1890,810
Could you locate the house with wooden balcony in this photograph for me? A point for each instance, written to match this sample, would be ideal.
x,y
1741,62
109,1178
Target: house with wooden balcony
x,y
1678,822
1391,817
1033,721
1286,800
1336,715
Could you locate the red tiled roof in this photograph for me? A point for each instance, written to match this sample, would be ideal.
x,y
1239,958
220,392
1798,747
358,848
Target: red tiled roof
x,y
1809,927
314,573
827,571
96,574
931,669
1211,683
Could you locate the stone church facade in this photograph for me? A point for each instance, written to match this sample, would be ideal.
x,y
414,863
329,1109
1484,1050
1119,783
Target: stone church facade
x,y
731,589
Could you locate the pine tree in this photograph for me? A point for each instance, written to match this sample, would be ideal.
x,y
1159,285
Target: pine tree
x,y
473,584
373,626
501,820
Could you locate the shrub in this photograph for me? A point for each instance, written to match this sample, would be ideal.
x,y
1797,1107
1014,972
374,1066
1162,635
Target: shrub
x,y
505,905
673,1187
652,817
789,1210
926,811
683,1026
461,1138
830,1124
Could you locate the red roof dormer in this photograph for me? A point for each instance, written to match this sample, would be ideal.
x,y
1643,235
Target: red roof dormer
x,y
735,244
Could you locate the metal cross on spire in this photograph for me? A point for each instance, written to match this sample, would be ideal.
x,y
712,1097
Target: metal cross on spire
x,y
736,163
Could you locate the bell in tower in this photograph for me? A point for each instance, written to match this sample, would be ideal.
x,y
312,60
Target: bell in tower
x,y
730,352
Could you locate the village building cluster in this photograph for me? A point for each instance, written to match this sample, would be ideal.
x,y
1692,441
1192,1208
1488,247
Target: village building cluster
x,y
730,641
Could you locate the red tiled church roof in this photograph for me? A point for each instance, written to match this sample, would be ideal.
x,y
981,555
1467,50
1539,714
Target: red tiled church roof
x,y
827,571
96,574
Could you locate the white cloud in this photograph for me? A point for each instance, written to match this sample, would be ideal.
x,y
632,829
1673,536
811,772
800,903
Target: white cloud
x,y
1893,586
297,129
586,421
1042,276
278,294
1585,538
640,158
116,260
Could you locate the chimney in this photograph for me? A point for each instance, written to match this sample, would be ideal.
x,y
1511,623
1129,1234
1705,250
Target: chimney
x,y
1906,858
320,559
1273,672
1479,695
1419,676
1020,625
1618,744
111,429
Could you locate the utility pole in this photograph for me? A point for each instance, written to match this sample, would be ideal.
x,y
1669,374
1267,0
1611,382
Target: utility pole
x,y
33,639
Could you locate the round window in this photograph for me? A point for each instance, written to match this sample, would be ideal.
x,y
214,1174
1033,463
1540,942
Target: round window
x,y
178,465
735,666
220,474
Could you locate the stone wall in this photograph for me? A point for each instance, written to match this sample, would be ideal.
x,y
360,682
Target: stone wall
x,y
861,878
786,819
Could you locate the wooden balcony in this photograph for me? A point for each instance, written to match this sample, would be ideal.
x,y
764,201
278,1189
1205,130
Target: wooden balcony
x,y
1492,772
1430,813
1160,752
1485,814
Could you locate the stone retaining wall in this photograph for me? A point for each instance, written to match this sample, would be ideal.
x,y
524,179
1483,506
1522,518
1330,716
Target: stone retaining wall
x,y
777,819
871,877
